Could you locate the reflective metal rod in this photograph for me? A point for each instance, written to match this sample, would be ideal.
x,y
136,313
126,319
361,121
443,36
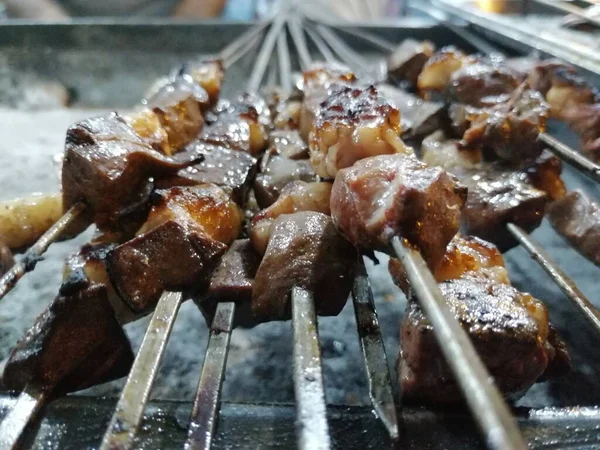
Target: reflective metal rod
x,y
376,41
262,61
484,399
576,159
567,285
242,41
34,254
322,46
570,9
285,63
371,342
313,430
242,51
205,414
129,411
340,47
297,32
22,414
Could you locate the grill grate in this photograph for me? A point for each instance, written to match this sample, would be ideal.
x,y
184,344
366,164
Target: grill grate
x,y
313,429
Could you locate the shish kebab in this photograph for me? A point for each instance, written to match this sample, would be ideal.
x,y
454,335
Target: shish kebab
x,y
529,184
464,259
87,284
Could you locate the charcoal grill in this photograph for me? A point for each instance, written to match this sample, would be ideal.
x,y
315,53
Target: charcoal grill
x,y
244,426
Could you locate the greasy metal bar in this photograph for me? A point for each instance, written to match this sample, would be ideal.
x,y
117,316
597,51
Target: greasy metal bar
x,y
322,46
340,47
567,285
569,9
576,159
371,343
295,27
129,411
376,41
311,409
265,53
285,63
22,414
34,254
241,42
208,395
483,397
243,50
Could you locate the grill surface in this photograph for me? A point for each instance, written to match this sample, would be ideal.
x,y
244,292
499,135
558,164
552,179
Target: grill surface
x,y
98,67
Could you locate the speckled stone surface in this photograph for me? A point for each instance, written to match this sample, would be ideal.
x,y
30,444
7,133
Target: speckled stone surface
x,y
260,361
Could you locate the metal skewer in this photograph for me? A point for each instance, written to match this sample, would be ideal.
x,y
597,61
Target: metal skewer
x,y
34,254
308,375
373,349
376,363
484,399
205,414
28,404
570,9
567,285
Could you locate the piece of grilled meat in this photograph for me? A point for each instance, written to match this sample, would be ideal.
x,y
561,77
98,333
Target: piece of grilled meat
x,y
577,218
295,196
208,73
509,329
110,167
74,344
231,170
232,281
306,251
240,125
317,83
497,194
288,143
6,258
187,231
276,172
352,124
464,255
440,67
397,195
418,117
406,61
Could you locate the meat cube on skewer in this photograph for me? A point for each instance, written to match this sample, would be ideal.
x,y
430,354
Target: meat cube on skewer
x,y
231,170
577,218
172,117
276,172
295,196
438,70
352,124
467,255
232,281
544,174
208,73
397,195
178,247
75,343
288,143
407,60
509,329
109,167
306,251
418,117
240,125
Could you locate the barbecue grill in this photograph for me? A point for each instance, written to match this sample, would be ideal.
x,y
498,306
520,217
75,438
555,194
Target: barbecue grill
x,y
242,425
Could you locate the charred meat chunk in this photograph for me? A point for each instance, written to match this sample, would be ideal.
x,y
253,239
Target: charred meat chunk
x,y
509,329
585,121
464,256
276,172
352,124
481,84
240,125
407,60
109,167
288,143
232,281
498,197
577,218
509,129
306,251
186,233
231,170
208,73
418,117
173,115
317,83
296,196
397,195
544,174
438,70
75,343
